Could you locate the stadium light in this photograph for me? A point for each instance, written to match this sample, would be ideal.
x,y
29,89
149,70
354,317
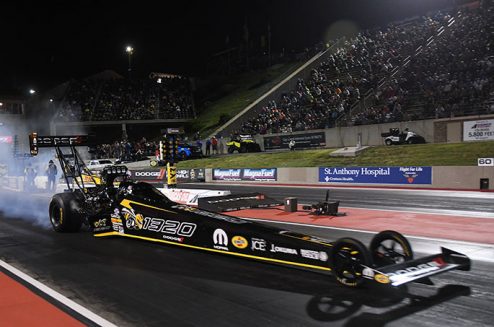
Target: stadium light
x,y
1,104
31,91
130,51
51,100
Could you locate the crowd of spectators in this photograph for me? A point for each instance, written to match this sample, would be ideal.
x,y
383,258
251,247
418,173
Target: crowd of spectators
x,y
452,76
124,99
452,72
125,149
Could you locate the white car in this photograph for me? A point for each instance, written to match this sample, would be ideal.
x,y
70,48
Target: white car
x,y
99,164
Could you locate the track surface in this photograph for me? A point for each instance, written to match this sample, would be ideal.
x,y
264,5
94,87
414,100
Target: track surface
x,y
136,283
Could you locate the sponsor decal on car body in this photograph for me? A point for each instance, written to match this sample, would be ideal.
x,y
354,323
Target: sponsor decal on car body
x,y
383,279
315,255
220,239
281,249
258,244
240,242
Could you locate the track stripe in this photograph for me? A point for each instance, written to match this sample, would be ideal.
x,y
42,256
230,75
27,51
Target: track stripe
x,y
57,296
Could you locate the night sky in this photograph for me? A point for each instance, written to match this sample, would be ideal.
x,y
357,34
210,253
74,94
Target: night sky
x,y
44,43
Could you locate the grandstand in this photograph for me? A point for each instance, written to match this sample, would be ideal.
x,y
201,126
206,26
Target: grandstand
x,y
109,97
436,66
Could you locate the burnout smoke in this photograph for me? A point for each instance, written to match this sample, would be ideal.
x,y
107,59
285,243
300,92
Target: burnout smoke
x,y
17,201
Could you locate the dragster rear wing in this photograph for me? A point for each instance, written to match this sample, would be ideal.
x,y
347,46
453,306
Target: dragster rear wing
x,y
71,170
36,141
418,269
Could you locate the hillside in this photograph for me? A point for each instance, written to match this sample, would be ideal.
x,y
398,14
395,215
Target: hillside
x,y
456,154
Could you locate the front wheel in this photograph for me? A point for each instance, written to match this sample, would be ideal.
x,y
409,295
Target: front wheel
x,y
348,258
390,247
388,142
63,215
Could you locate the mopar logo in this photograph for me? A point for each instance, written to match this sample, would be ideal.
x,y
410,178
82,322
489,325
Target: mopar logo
x,y
220,239
147,174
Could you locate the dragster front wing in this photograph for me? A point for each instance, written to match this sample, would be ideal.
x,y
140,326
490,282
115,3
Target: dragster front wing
x,y
415,270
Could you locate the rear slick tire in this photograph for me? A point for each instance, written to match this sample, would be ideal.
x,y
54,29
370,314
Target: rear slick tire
x,y
63,215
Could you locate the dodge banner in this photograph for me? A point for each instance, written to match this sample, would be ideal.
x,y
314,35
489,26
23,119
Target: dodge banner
x,y
153,176
245,174
309,140
376,175
158,176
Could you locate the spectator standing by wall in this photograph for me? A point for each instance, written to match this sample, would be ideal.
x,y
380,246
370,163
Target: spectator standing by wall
x,y
208,147
199,145
291,144
214,143
29,175
51,172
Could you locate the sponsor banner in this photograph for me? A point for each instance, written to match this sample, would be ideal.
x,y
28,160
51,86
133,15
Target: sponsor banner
x,y
246,174
308,140
191,175
376,175
262,174
478,130
485,162
227,174
149,175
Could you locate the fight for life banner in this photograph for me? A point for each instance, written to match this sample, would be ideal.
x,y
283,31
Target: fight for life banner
x,y
376,175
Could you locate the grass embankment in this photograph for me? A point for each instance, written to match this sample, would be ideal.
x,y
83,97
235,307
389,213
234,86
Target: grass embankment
x,y
237,93
456,154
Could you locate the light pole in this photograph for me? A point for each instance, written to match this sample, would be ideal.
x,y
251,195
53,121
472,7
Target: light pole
x,y
130,52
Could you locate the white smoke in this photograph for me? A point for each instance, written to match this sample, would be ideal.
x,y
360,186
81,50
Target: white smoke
x,y
16,201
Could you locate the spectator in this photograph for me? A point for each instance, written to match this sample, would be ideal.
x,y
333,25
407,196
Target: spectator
x,y
29,175
208,147
214,143
51,172
199,145
291,144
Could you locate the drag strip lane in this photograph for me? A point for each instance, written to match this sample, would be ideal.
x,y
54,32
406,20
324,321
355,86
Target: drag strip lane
x,y
134,283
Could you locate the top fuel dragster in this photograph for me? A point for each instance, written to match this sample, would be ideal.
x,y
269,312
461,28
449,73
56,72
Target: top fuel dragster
x,y
138,210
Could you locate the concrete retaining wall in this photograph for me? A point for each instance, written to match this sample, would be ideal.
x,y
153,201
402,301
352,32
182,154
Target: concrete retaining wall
x,y
447,130
447,177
